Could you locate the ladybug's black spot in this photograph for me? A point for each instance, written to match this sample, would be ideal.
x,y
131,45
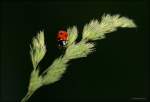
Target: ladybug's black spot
x,y
65,35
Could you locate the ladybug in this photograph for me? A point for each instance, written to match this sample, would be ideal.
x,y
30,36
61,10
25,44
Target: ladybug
x,y
62,37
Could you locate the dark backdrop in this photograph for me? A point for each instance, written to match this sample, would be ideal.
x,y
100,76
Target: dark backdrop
x,y
118,70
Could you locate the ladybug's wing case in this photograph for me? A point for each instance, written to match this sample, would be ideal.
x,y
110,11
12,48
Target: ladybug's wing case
x,y
62,35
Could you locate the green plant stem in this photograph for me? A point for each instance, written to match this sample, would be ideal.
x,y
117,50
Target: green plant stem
x,y
27,96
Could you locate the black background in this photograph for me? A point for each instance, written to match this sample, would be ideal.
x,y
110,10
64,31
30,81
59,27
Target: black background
x,y
118,70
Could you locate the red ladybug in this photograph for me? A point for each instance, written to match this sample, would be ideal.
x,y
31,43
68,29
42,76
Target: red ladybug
x,y
62,38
